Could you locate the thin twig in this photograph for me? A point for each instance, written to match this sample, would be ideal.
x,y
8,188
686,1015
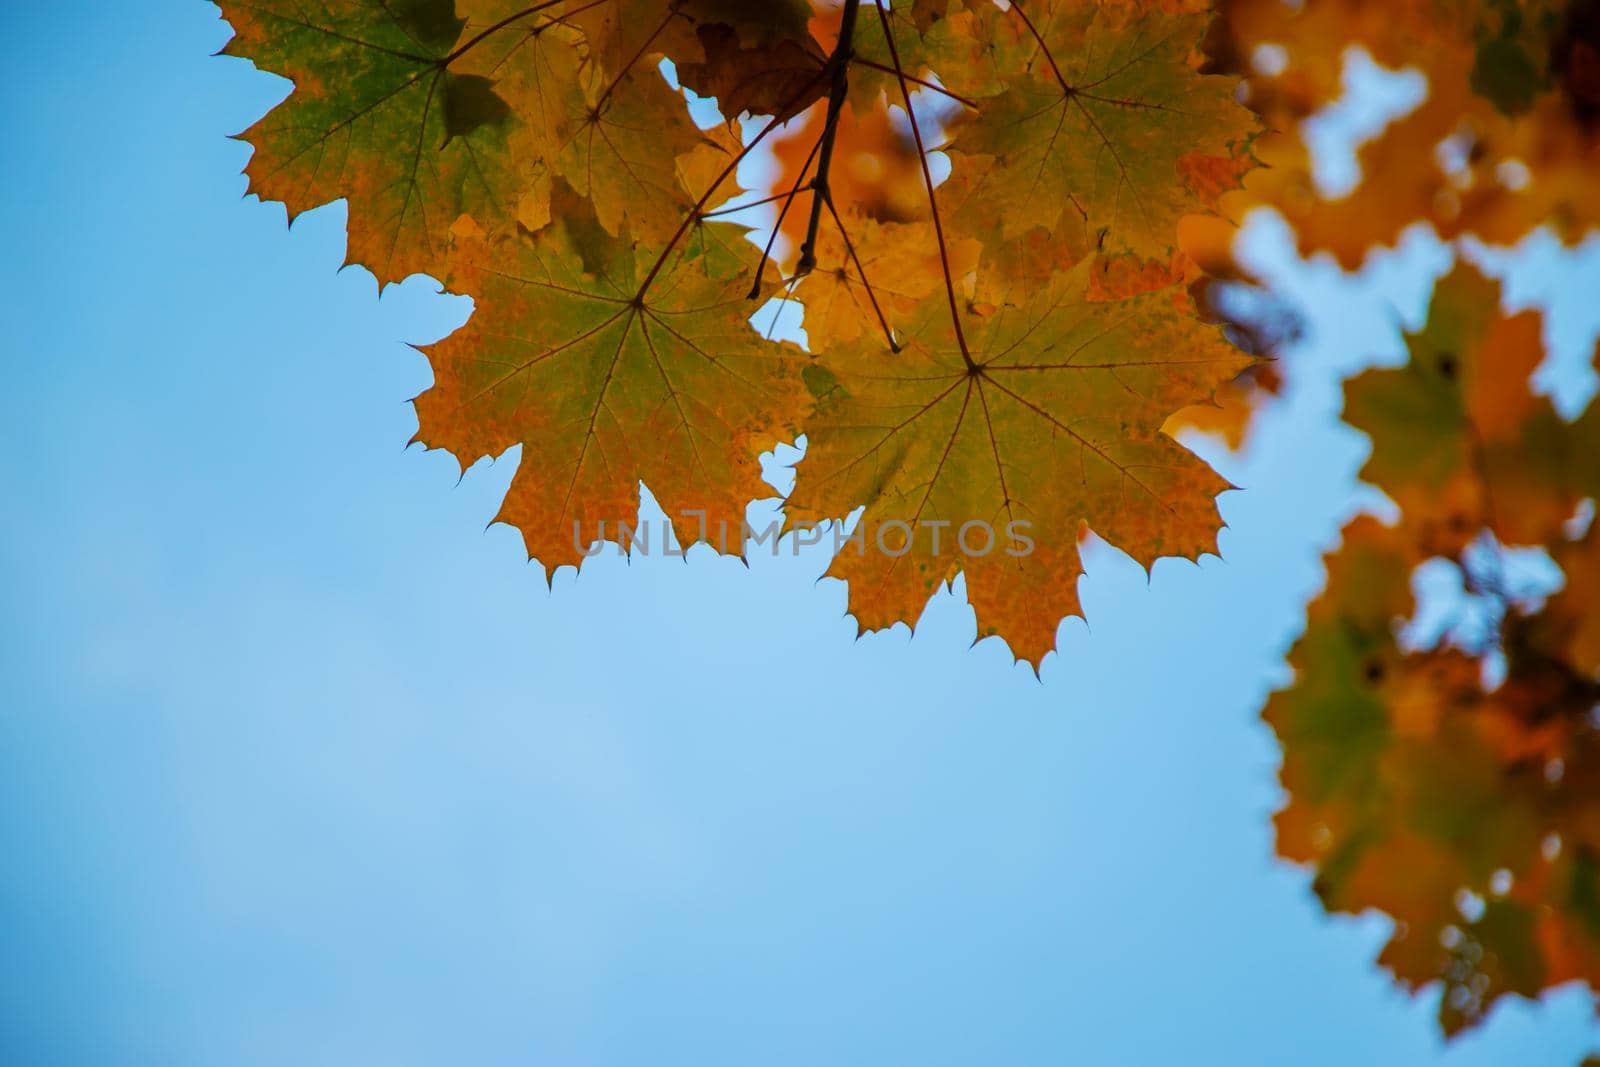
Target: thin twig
x,y
839,65
783,213
921,82
849,247
933,201
693,214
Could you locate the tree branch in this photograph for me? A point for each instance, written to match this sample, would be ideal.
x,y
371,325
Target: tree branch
x,y
694,214
839,65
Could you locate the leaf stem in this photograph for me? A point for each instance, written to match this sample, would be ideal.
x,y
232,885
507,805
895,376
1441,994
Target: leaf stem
x,y
694,213
783,213
496,28
919,82
1061,79
627,68
734,209
872,297
839,66
933,201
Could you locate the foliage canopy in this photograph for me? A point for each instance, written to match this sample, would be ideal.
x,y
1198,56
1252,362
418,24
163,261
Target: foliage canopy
x,y
1008,227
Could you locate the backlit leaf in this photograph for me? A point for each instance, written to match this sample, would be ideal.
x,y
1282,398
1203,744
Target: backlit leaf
x,y
1045,412
381,116
610,364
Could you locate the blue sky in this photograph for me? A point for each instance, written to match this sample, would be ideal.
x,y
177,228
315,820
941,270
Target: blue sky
x,y
301,764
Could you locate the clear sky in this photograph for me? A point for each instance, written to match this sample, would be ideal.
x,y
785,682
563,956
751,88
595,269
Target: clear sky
x,y
299,764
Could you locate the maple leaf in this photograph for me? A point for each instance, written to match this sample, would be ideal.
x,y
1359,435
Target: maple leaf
x,y
1519,142
1459,440
981,52
1463,806
611,364
871,274
534,63
419,117
610,337
630,179
779,78
1092,135
380,115
1234,410
1046,412
1465,812
629,126
618,30
1571,613
619,35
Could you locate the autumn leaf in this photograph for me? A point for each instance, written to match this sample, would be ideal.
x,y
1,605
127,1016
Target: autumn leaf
x,y
574,92
621,35
611,339
1464,811
1091,134
380,115
534,64
976,49
1046,412
1458,438
1502,143
779,78
1233,411
612,363
1455,785
419,117
1574,623
631,182
866,269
